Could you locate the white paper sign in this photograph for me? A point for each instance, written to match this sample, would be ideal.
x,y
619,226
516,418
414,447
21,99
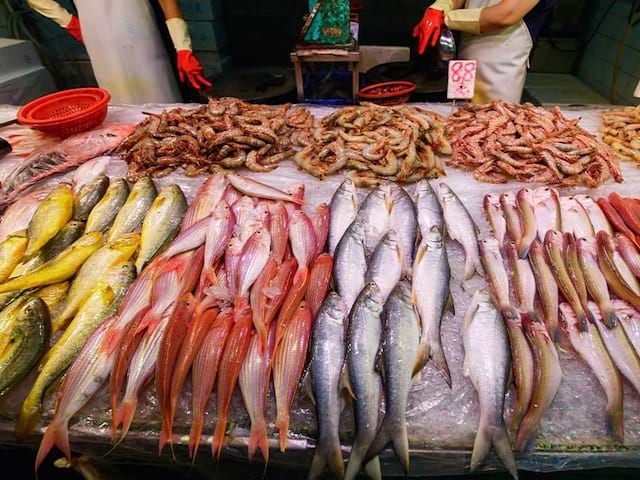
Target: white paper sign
x,y
462,79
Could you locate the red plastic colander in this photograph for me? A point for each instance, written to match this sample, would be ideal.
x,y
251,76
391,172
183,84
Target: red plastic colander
x,y
388,93
67,112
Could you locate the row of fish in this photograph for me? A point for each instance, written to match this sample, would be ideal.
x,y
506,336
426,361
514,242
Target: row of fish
x,y
571,281
391,280
230,299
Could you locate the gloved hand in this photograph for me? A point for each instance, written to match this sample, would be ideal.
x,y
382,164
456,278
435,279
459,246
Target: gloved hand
x,y
429,27
189,67
74,29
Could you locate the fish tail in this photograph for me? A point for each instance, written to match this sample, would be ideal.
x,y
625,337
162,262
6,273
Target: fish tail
x,y
524,245
609,317
469,267
583,322
327,453
166,435
422,357
527,434
440,361
282,424
56,435
614,420
493,435
29,418
372,469
394,431
217,441
258,439
126,413
194,435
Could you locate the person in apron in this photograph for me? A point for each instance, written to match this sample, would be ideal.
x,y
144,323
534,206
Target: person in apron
x,y
126,50
497,34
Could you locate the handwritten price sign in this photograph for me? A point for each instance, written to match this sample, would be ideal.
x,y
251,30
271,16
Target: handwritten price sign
x,y
462,79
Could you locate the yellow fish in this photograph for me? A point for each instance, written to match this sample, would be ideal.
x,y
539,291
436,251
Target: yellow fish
x,y
11,251
51,215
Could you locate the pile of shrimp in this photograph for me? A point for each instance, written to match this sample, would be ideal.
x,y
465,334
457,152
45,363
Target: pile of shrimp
x,y
621,130
500,142
227,133
377,143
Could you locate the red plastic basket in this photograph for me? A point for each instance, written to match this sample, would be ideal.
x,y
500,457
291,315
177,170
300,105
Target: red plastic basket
x,y
67,112
388,93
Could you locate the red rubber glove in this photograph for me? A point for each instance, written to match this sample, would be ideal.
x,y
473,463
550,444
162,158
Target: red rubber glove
x,y
74,29
190,67
428,29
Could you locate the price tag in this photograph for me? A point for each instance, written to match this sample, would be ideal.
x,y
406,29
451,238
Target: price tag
x,y
462,79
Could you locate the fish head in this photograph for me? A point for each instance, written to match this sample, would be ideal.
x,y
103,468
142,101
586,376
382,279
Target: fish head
x,y
356,231
491,201
242,209
553,238
445,194
536,247
334,307
508,199
143,184
423,189
512,249
372,297
489,246
391,239
605,242
434,237
347,187
586,245
525,195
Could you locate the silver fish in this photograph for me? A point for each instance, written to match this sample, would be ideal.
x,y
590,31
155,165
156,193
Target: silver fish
x,y
344,207
375,215
363,342
130,216
462,228
495,217
403,221
487,363
350,264
385,265
430,294
325,370
105,211
400,346
88,196
428,207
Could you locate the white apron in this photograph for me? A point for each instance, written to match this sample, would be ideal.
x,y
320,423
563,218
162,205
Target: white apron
x,y
502,58
126,51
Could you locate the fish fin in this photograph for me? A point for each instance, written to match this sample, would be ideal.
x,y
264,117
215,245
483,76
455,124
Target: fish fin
x,y
258,439
440,362
306,384
282,424
450,306
395,432
379,362
165,436
614,421
502,446
422,357
372,469
195,434
217,442
496,436
526,438
56,435
327,453
126,412
345,381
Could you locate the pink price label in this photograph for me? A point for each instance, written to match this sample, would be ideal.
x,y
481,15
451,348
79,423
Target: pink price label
x,y
462,79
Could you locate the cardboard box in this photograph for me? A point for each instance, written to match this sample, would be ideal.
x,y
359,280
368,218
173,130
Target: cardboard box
x,y
21,86
17,55
208,36
201,9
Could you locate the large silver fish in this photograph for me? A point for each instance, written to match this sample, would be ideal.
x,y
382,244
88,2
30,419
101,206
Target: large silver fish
x,y
375,215
428,208
325,369
344,207
486,364
385,265
400,347
430,294
363,342
403,221
350,264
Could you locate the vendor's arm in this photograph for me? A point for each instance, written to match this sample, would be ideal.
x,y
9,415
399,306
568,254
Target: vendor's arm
x,y
56,12
189,66
489,19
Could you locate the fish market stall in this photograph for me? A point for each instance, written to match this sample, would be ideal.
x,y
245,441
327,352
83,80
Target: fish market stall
x,y
441,419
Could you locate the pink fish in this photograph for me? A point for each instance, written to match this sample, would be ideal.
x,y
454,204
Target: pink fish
x,y
251,187
297,192
231,262
205,368
231,195
321,218
188,239
303,238
218,234
279,229
291,302
319,279
258,298
209,195
253,258
242,209
254,385
288,364
278,288
18,215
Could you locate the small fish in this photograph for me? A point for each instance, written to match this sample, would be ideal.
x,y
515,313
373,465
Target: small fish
x,y
616,220
279,287
344,208
302,237
404,222
291,302
11,251
575,219
132,213
462,228
548,376
595,281
363,341
553,248
205,369
19,213
431,295
546,208
233,356
401,337
594,212
253,188
253,258
495,217
254,386
88,197
105,211
92,271
319,279
374,216
525,200
524,280
218,234
161,223
51,215
60,268
326,353
321,220
546,286
591,349
625,211
429,211
385,265
208,197
573,267
629,252
350,264
279,230
189,239
29,339
496,275
258,298
624,286
522,364
630,320
486,364
509,205
622,352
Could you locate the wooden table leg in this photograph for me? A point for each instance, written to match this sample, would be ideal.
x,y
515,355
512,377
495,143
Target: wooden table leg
x,y
355,78
297,67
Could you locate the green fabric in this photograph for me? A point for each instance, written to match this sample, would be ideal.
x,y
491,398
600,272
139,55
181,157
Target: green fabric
x,y
331,23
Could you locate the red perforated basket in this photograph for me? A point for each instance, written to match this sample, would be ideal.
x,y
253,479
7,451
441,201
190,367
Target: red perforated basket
x,y
67,112
388,93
